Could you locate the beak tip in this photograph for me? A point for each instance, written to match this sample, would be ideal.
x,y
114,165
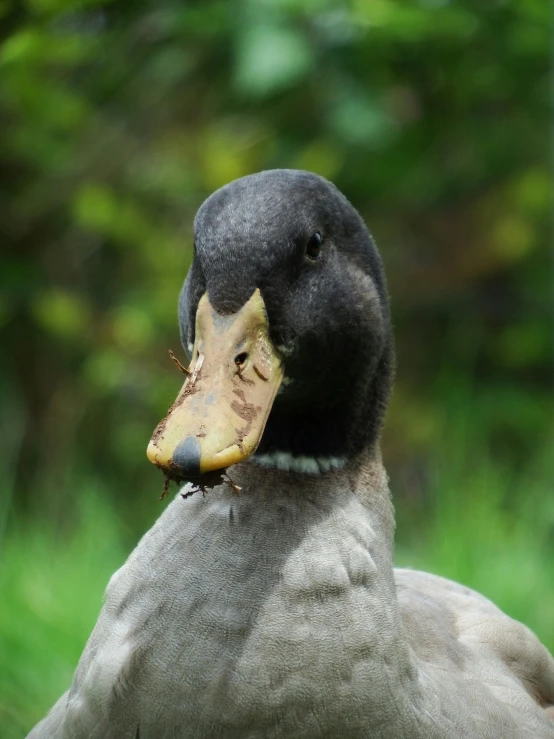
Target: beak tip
x,y
187,457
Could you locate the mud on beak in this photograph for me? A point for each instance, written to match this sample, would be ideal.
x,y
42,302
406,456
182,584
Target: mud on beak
x,y
220,414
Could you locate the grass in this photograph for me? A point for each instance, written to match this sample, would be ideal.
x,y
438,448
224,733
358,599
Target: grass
x,y
480,523
51,594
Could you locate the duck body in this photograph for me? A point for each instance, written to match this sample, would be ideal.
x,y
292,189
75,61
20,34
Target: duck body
x,y
288,620
276,612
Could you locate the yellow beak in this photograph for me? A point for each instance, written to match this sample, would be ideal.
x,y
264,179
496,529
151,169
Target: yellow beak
x,y
220,414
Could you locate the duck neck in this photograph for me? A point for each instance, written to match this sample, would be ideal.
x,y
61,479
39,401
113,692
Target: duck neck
x,y
329,544
354,501
361,479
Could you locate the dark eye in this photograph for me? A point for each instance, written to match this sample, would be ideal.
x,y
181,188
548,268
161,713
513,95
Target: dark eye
x,y
313,245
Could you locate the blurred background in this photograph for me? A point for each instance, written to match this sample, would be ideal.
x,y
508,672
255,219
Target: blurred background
x,y
117,120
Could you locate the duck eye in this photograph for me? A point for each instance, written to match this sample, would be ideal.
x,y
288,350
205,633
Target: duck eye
x,y
313,246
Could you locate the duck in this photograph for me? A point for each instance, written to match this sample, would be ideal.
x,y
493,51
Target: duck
x,y
264,602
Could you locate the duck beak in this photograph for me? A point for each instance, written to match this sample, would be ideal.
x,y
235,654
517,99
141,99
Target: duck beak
x,y
220,414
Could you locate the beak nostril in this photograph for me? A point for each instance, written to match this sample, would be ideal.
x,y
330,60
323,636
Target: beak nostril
x,y
240,359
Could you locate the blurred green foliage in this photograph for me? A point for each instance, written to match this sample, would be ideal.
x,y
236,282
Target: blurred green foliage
x,y
117,120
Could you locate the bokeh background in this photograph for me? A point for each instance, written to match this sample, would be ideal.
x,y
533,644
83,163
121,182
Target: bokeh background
x,y
117,120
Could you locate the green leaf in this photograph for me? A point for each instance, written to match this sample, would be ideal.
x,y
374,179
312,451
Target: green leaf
x,y
358,120
95,207
271,58
61,313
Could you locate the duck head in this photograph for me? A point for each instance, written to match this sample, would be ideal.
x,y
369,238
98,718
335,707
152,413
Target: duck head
x,y
284,316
